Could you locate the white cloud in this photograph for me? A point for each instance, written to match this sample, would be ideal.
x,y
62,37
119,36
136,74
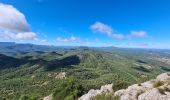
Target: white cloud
x,y
59,39
108,30
105,29
26,35
69,39
44,41
12,19
118,36
6,34
102,28
143,44
17,36
138,33
13,24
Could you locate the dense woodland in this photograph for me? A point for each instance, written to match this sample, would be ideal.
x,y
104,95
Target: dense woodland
x,y
66,73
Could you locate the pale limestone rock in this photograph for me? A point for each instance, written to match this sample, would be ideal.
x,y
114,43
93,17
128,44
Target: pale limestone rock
x,y
61,75
134,91
143,91
131,93
122,94
163,77
106,88
92,93
143,76
148,85
125,97
45,83
152,94
33,76
48,97
146,90
49,75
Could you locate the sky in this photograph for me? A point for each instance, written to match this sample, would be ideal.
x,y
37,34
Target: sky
x,y
97,23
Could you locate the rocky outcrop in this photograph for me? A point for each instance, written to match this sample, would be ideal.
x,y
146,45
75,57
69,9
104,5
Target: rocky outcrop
x,y
92,93
156,89
48,97
61,75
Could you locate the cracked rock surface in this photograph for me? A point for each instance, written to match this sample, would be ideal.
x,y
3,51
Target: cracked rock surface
x,y
155,89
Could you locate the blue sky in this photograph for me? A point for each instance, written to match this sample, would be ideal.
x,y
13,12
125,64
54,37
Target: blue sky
x,y
122,23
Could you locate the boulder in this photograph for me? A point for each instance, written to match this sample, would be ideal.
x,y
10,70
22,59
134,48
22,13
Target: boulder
x,y
147,90
92,93
163,77
48,97
155,89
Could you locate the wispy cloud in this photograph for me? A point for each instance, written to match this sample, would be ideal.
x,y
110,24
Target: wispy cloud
x,y
99,27
4,34
105,29
13,24
138,33
69,39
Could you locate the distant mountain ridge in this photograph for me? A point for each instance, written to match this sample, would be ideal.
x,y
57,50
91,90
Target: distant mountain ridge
x,y
14,49
35,71
17,49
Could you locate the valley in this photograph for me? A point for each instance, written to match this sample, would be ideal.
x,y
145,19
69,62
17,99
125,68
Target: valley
x,y
66,73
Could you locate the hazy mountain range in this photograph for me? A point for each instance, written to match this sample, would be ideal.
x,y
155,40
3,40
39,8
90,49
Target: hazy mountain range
x,y
31,72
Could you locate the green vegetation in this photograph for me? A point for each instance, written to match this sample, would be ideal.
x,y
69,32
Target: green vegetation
x,y
70,90
69,72
120,85
106,96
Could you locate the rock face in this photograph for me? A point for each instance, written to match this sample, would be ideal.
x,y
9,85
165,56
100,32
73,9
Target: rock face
x,y
61,75
93,93
157,89
48,97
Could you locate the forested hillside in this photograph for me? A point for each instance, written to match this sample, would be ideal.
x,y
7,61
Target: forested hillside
x,y
66,73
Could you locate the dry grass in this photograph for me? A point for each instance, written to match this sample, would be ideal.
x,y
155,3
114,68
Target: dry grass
x,y
161,91
158,84
106,96
139,93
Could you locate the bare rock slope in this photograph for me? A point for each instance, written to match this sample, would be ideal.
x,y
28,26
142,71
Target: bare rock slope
x,y
92,93
156,89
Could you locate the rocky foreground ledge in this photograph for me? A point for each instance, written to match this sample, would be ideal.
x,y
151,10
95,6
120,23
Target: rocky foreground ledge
x,y
156,89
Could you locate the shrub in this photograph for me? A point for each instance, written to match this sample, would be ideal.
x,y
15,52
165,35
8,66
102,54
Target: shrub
x,y
158,83
106,96
161,90
24,97
120,85
69,90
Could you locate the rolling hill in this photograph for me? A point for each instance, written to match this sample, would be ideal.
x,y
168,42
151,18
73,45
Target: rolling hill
x,y
33,72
